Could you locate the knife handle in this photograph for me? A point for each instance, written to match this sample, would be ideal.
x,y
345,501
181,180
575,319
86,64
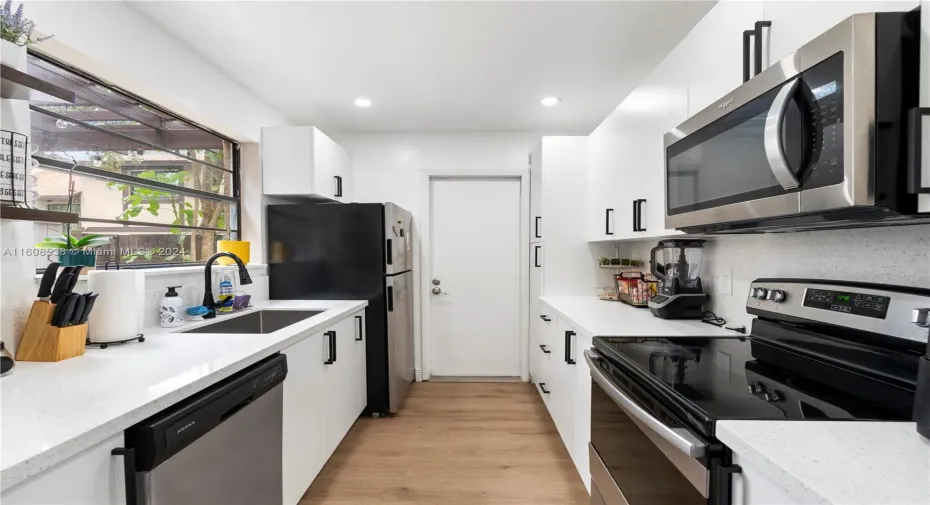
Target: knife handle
x,y
76,277
48,279
60,287
89,299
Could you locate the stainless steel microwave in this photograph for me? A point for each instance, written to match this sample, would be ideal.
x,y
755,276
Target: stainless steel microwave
x,y
817,140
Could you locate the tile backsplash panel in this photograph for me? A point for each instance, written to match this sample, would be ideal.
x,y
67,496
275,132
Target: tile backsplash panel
x,y
891,255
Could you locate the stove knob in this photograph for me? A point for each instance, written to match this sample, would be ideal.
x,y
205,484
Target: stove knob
x,y
777,296
774,396
757,388
760,293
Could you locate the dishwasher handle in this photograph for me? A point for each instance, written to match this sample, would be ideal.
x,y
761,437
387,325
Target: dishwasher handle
x,y
129,473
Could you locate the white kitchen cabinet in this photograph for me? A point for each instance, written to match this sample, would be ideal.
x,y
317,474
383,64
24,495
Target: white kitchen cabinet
x,y
305,441
536,194
796,23
613,174
322,400
301,161
753,486
93,477
581,397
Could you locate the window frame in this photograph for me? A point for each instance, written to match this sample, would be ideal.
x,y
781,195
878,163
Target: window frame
x,y
235,163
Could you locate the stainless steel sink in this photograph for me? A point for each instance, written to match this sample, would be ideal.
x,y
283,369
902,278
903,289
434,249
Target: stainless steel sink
x,y
259,321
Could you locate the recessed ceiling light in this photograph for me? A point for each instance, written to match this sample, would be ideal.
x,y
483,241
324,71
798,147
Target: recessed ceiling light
x,y
550,101
362,102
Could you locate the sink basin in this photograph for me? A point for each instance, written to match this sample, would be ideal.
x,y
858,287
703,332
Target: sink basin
x,y
259,321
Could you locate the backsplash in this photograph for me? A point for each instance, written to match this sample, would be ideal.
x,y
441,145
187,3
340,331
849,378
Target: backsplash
x,y
892,255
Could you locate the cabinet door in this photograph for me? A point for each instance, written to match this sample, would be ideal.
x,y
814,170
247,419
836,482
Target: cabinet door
x,y
613,173
92,477
711,55
582,408
304,450
360,362
563,383
326,159
796,23
287,160
536,194
341,384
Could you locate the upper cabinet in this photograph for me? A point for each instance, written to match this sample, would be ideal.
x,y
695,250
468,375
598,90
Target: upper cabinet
x,y
301,161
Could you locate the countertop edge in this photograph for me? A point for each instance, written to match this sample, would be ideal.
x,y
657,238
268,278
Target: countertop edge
x,y
23,470
796,488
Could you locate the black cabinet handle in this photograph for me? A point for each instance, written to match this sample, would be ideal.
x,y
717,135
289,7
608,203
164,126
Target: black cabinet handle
x,y
390,298
331,336
721,484
338,185
568,347
542,386
129,472
361,329
607,222
545,318
747,34
537,227
638,212
635,215
915,118
543,347
758,45
536,256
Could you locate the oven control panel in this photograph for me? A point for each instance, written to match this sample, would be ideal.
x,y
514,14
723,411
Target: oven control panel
x,y
849,302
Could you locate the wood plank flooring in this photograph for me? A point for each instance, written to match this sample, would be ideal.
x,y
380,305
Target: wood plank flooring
x,y
454,444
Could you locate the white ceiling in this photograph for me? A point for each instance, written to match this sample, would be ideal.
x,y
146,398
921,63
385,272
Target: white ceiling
x,y
434,66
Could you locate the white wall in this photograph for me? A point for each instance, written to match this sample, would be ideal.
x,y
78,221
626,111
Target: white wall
x,y
114,42
891,255
388,167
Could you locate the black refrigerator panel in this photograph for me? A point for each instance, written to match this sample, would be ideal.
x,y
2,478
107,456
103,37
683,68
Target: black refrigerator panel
x,y
325,251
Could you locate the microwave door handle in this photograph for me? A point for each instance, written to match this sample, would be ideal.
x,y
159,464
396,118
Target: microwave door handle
x,y
774,150
680,438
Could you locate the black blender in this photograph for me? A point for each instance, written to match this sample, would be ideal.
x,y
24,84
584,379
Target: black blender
x,y
682,293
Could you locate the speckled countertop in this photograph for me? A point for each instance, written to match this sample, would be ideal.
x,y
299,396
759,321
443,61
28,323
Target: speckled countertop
x,y
614,319
836,462
52,411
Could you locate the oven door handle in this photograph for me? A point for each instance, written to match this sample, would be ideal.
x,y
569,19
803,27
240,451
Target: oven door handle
x,y
680,438
772,141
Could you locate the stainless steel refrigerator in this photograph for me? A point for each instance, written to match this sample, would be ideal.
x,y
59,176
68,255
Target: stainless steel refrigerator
x,y
336,251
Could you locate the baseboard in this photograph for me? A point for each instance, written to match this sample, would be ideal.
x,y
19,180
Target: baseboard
x,y
439,378
418,375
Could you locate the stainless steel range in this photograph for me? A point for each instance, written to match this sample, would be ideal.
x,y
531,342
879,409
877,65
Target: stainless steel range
x,y
817,350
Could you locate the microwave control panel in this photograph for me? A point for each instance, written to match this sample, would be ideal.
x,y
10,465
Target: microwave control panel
x,y
822,92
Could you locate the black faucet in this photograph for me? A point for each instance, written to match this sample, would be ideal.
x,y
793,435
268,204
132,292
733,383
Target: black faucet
x,y
208,300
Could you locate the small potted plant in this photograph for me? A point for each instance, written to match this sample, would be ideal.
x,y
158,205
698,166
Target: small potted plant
x,y
73,251
16,33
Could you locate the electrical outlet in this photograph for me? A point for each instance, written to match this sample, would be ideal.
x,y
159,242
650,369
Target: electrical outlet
x,y
723,284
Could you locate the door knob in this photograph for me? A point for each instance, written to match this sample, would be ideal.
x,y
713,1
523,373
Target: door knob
x,y
438,291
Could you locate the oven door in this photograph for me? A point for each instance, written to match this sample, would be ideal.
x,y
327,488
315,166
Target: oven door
x,y
781,144
640,455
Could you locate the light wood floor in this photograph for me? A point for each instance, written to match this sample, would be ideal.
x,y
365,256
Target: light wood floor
x,y
454,444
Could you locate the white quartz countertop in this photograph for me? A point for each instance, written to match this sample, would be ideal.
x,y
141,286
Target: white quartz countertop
x,y
836,462
52,411
615,319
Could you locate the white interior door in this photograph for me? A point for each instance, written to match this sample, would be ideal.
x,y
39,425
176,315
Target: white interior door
x,y
475,256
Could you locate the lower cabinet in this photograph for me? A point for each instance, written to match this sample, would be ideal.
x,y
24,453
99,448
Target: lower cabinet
x,y
93,477
561,376
324,394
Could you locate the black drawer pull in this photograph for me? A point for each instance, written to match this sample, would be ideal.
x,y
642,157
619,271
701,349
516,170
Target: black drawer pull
x,y
543,347
361,328
545,318
568,347
542,386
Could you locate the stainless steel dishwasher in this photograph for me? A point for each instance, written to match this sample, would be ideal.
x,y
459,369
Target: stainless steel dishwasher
x,y
221,446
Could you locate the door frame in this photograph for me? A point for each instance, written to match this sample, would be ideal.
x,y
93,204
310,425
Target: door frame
x,y
425,360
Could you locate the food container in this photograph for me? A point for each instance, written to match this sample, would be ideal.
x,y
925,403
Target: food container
x,y
607,294
634,288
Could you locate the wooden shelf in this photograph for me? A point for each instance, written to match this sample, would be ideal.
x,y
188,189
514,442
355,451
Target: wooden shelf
x,y
16,85
42,216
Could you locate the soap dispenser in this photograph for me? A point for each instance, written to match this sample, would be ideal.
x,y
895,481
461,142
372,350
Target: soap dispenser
x,y
171,311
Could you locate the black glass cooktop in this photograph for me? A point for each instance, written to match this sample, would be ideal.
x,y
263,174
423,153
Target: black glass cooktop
x,y
706,379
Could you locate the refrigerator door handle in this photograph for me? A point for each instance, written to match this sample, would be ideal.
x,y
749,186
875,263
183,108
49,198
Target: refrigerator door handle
x,y
390,251
390,298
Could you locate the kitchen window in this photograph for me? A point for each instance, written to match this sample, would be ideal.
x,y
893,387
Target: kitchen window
x,y
164,188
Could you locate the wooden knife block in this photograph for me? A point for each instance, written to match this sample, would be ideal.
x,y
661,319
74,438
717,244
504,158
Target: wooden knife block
x,y
43,342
